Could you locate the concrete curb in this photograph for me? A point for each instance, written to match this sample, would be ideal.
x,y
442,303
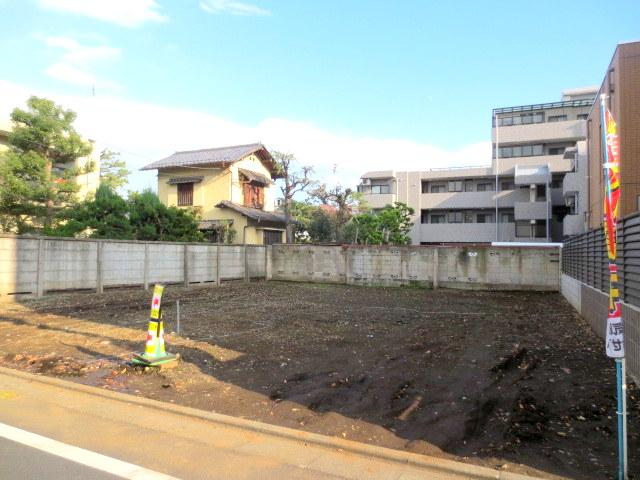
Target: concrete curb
x,y
442,465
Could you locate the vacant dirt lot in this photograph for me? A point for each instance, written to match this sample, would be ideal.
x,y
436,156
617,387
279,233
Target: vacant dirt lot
x,y
510,380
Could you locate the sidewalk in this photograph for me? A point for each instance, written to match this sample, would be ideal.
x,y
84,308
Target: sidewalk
x,y
193,444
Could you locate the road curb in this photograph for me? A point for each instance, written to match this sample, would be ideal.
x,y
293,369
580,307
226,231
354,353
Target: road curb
x,y
382,453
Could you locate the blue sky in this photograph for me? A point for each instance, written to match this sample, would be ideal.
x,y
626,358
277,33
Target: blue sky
x,y
347,83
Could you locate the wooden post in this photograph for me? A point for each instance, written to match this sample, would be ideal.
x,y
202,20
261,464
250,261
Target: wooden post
x,y
99,279
435,268
218,265
145,274
41,264
185,265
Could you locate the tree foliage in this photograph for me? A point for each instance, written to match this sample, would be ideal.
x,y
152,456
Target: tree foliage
x,y
113,170
295,179
37,172
152,220
390,226
343,201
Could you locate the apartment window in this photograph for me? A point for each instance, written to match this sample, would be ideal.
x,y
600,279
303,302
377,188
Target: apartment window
x,y
455,217
556,150
485,187
439,188
557,118
484,218
185,194
424,216
556,182
521,151
380,189
507,185
583,116
424,187
468,217
541,191
507,217
572,204
468,185
439,218
523,229
455,186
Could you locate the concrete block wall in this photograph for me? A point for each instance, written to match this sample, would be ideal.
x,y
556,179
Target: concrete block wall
x,y
479,267
593,305
35,266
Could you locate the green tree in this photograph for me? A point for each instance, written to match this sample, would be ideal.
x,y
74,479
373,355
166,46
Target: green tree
x,y
343,200
389,226
113,170
321,226
303,213
37,173
152,220
104,216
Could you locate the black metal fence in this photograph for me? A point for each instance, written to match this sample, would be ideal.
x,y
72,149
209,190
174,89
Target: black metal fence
x,y
584,257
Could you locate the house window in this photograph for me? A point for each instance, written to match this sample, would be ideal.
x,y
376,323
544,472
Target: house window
x,y
185,194
455,186
440,218
271,237
253,195
557,118
455,217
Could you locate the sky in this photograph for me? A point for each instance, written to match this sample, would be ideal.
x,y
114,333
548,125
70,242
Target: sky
x,y
347,86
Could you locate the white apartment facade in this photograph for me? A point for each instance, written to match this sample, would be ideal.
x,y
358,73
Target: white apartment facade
x,y
531,192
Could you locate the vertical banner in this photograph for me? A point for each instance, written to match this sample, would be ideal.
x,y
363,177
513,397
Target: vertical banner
x,y
611,165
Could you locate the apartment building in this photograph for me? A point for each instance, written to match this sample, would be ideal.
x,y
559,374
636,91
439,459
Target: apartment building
x,y
522,196
621,84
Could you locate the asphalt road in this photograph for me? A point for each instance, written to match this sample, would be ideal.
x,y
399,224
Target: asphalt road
x,y
18,461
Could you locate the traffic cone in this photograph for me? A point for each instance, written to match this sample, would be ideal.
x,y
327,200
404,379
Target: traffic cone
x,y
154,352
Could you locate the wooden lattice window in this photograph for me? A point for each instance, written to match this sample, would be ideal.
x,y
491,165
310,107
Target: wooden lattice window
x,y
185,194
253,195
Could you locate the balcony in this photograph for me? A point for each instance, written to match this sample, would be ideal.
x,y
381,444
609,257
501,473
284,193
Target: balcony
x,y
570,130
557,163
466,232
531,210
572,182
464,200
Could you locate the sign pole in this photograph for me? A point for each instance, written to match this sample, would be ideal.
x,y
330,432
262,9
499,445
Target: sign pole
x,y
615,326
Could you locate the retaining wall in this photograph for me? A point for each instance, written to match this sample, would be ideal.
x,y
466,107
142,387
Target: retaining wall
x,y
593,306
37,265
481,267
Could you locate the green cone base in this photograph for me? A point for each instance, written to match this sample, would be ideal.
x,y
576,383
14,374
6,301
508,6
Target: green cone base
x,y
141,359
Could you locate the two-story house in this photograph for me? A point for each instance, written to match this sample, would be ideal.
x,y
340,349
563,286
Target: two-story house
x,y
229,187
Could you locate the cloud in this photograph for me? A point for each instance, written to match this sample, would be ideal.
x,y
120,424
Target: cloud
x,y
232,7
126,13
145,132
73,66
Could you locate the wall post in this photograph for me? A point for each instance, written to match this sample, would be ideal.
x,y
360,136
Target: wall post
x,y
218,265
41,264
347,265
145,274
185,265
99,265
268,253
246,264
435,268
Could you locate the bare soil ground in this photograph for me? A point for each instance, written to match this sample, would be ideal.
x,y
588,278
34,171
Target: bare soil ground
x,y
512,380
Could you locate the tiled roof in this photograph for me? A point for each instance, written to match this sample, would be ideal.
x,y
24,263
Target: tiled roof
x,y
209,156
253,213
255,177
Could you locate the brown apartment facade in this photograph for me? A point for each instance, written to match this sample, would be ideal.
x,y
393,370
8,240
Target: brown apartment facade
x,y
622,85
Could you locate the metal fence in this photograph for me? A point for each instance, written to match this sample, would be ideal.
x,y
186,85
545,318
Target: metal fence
x,y
584,257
